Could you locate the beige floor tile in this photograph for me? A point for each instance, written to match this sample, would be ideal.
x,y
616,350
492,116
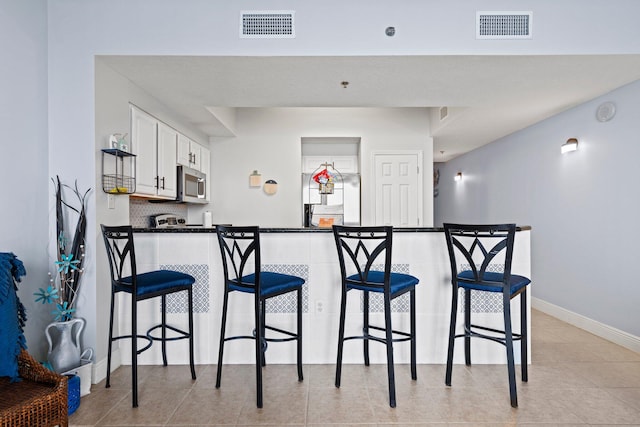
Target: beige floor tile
x,y
480,405
630,396
563,352
344,405
538,405
545,375
611,352
576,379
280,407
209,407
156,405
610,374
597,406
94,406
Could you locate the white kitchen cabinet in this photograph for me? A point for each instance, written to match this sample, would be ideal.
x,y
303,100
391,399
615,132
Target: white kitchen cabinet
x,y
189,153
196,155
167,170
184,151
154,144
343,164
144,132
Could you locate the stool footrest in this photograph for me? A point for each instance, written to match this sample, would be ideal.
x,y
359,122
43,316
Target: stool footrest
x,y
183,334
473,333
144,337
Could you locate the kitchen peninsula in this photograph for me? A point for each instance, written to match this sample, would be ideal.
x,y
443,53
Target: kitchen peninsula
x,y
311,253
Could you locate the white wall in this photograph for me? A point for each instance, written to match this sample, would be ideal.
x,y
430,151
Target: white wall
x,y
582,205
269,140
24,216
78,30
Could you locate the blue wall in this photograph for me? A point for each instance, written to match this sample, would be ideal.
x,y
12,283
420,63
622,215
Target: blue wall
x,y
582,205
24,174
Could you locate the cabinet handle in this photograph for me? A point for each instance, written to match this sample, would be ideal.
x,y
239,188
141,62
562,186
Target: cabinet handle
x,y
157,181
163,182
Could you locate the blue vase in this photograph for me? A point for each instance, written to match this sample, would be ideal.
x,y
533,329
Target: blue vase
x,y
64,344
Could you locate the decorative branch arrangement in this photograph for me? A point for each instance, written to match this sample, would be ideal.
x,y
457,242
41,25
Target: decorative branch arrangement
x,y
64,287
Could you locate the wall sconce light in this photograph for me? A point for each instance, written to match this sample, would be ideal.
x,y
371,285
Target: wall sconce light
x,y
570,145
270,187
255,179
458,177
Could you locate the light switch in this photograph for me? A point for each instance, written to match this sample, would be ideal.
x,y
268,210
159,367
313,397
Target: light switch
x,y
111,201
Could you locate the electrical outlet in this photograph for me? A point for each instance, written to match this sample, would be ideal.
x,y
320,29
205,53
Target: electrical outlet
x,y
111,201
319,307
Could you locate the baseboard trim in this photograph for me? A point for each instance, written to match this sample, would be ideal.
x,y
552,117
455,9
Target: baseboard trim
x,y
99,371
607,332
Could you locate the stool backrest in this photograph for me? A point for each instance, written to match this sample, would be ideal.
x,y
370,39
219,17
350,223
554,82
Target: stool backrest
x,y
118,241
480,249
364,249
240,250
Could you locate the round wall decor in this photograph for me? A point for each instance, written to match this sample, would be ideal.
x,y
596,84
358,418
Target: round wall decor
x,y
606,111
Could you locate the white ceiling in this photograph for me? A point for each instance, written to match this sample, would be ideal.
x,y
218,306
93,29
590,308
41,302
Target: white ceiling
x,y
487,97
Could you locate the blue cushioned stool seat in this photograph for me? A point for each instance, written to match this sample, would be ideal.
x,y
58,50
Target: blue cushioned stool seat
x,y
398,281
515,282
270,283
156,281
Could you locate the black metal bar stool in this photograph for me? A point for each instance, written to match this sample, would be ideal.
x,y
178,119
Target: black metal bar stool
x,y
365,265
481,258
240,251
122,257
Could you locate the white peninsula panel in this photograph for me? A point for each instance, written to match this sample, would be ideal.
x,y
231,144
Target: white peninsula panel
x,y
312,255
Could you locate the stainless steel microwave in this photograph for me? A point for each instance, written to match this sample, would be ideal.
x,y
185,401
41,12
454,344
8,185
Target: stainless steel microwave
x,y
192,185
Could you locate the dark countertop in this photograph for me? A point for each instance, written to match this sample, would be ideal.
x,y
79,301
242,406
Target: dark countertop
x,y
201,229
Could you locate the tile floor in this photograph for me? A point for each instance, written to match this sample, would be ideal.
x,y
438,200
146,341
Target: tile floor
x,y
576,379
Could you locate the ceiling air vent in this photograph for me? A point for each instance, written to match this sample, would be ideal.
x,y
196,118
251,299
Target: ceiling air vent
x,y
503,25
267,24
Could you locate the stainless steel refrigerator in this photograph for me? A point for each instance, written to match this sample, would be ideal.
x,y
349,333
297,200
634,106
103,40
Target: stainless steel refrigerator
x,y
341,207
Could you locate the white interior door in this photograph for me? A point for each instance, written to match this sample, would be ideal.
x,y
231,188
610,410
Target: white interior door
x,y
398,188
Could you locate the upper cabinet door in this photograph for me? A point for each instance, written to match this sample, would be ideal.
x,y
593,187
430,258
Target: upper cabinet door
x,y
196,155
143,145
184,150
167,170
189,152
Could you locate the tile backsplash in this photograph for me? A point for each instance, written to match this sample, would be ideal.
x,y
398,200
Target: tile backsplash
x,y
141,210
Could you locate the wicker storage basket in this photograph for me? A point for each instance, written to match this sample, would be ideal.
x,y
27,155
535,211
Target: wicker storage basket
x,y
40,399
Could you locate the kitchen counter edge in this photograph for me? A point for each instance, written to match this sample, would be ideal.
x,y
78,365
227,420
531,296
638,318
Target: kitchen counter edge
x,y
200,229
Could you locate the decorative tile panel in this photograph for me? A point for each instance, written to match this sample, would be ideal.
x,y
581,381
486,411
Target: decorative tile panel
x,y
177,303
287,303
376,301
481,301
